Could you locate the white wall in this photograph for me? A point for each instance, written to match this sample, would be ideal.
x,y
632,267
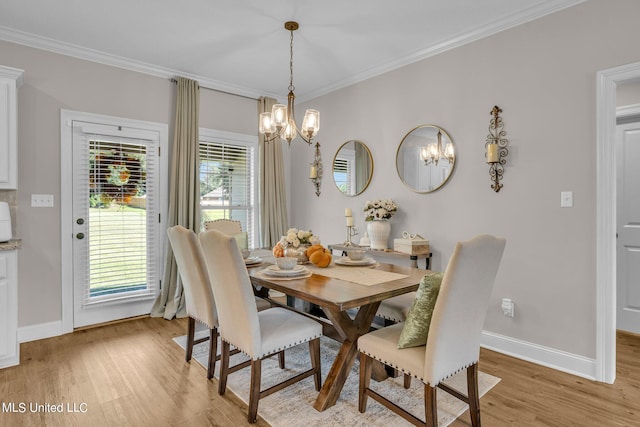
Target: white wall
x,y
53,82
543,75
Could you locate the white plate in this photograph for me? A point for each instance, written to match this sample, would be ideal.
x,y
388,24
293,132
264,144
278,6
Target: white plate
x,y
274,270
360,263
253,260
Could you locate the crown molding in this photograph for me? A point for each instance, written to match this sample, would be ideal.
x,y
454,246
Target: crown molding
x,y
68,49
501,24
461,39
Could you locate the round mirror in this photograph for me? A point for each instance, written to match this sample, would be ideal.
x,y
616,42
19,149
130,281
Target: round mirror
x,y
425,158
352,168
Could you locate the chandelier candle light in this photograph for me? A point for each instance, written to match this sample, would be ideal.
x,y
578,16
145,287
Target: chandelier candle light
x,y
434,152
280,122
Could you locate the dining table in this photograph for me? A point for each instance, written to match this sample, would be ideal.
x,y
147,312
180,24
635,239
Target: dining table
x,y
349,295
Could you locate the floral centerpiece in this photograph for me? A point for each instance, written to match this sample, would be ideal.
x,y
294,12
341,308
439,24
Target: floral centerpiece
x,y
295,243
295,238
379,209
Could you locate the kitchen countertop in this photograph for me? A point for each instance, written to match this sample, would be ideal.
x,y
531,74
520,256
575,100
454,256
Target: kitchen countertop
x,y
11,245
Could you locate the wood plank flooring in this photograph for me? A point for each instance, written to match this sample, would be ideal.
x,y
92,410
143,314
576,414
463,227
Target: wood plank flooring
x,y
132,374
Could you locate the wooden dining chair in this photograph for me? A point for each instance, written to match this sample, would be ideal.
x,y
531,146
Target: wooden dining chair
x,y
199,298
453,341
257,334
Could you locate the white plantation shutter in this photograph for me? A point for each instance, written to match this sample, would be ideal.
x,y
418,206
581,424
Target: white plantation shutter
x,y
120,205
228,180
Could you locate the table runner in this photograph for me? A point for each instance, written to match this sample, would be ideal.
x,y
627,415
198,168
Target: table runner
x,y
361,275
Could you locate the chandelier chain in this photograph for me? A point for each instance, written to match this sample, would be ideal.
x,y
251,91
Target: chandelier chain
x,y
291,86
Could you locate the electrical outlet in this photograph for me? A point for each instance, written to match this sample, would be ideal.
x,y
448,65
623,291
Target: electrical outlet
x,y
42,200
508,307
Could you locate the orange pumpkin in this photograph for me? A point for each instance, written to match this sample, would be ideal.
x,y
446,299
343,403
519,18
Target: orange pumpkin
x,y
311,249
278,250
321,258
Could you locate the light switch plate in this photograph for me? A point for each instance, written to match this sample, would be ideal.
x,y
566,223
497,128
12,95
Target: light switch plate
x,y
42,200
566,199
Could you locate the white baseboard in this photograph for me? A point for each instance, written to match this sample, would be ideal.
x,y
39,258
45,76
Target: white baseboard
x,y
39,331
541,355
10,361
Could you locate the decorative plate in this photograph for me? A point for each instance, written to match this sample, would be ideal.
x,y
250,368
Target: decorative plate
x,y
366,261
274,270
253,260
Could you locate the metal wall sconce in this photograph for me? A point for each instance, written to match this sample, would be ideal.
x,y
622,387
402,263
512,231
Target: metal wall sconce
x,y
496,149
315,173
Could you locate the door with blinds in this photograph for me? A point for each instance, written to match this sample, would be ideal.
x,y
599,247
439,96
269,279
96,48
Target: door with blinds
x,y
117,242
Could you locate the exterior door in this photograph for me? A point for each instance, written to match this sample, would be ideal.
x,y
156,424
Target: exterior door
x,y
628,226
116,223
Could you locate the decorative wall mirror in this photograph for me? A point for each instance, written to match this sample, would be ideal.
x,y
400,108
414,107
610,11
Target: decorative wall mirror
x,y
425,158
352,168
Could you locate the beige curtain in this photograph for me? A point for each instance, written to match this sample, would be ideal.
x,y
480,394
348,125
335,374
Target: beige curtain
x,y
184,193
273,198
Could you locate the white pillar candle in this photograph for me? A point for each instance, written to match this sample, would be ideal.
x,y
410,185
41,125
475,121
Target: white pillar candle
x,y
349,221
313,172
347,212
492,153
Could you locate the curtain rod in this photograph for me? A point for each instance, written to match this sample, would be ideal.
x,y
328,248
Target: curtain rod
x,y
218,90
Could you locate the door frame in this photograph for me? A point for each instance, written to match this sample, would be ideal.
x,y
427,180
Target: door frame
x,y
606,217
626,112
66,202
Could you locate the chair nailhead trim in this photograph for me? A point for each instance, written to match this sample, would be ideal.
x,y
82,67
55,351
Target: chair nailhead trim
x,y
304,340
414,375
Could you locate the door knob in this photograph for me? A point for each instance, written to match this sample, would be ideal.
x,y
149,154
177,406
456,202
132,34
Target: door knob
x,y
80,221
80,236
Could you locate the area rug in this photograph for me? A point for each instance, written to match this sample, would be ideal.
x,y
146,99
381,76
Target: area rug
x,y
293,406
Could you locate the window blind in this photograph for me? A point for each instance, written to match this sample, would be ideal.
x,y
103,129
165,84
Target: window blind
x,y
122,206
227,189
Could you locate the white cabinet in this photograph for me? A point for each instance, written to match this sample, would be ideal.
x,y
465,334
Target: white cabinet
x,y
9,347
10,80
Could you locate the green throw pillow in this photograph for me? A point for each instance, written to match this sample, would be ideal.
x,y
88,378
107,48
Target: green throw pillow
x,y
416,327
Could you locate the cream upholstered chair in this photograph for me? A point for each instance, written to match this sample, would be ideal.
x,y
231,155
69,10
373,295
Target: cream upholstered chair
x,y
198,293
226,226
453,343
257,334
395,309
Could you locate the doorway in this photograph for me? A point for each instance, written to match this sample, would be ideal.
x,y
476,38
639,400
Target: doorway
x,y
112,221
606,217
628,213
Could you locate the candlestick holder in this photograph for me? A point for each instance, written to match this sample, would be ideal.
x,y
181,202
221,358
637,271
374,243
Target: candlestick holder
x,y
351,231
496,149
315,174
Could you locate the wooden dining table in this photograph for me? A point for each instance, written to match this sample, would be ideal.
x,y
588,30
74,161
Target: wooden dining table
x,y
335,296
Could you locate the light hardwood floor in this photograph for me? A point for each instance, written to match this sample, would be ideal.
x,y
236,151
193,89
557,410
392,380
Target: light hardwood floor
x,y
132,374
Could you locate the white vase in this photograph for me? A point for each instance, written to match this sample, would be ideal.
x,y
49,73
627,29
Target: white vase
x,y
379,232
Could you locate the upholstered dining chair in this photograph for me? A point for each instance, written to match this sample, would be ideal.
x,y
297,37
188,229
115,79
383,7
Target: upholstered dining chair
x,y
453,341
257,334
226,226
199,298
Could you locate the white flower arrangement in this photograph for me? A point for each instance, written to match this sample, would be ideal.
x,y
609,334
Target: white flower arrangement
x,y
295,238
379,209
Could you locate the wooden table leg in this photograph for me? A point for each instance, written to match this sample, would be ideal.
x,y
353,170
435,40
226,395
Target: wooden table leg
x,y
349,330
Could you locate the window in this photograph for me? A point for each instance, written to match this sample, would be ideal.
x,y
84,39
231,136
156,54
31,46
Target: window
x,y
228,177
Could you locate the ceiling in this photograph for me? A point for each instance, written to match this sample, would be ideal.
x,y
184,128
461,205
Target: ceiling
x,y
241,46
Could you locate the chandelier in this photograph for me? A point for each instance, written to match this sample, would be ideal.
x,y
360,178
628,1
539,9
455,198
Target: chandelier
x,y
280,122
433,152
